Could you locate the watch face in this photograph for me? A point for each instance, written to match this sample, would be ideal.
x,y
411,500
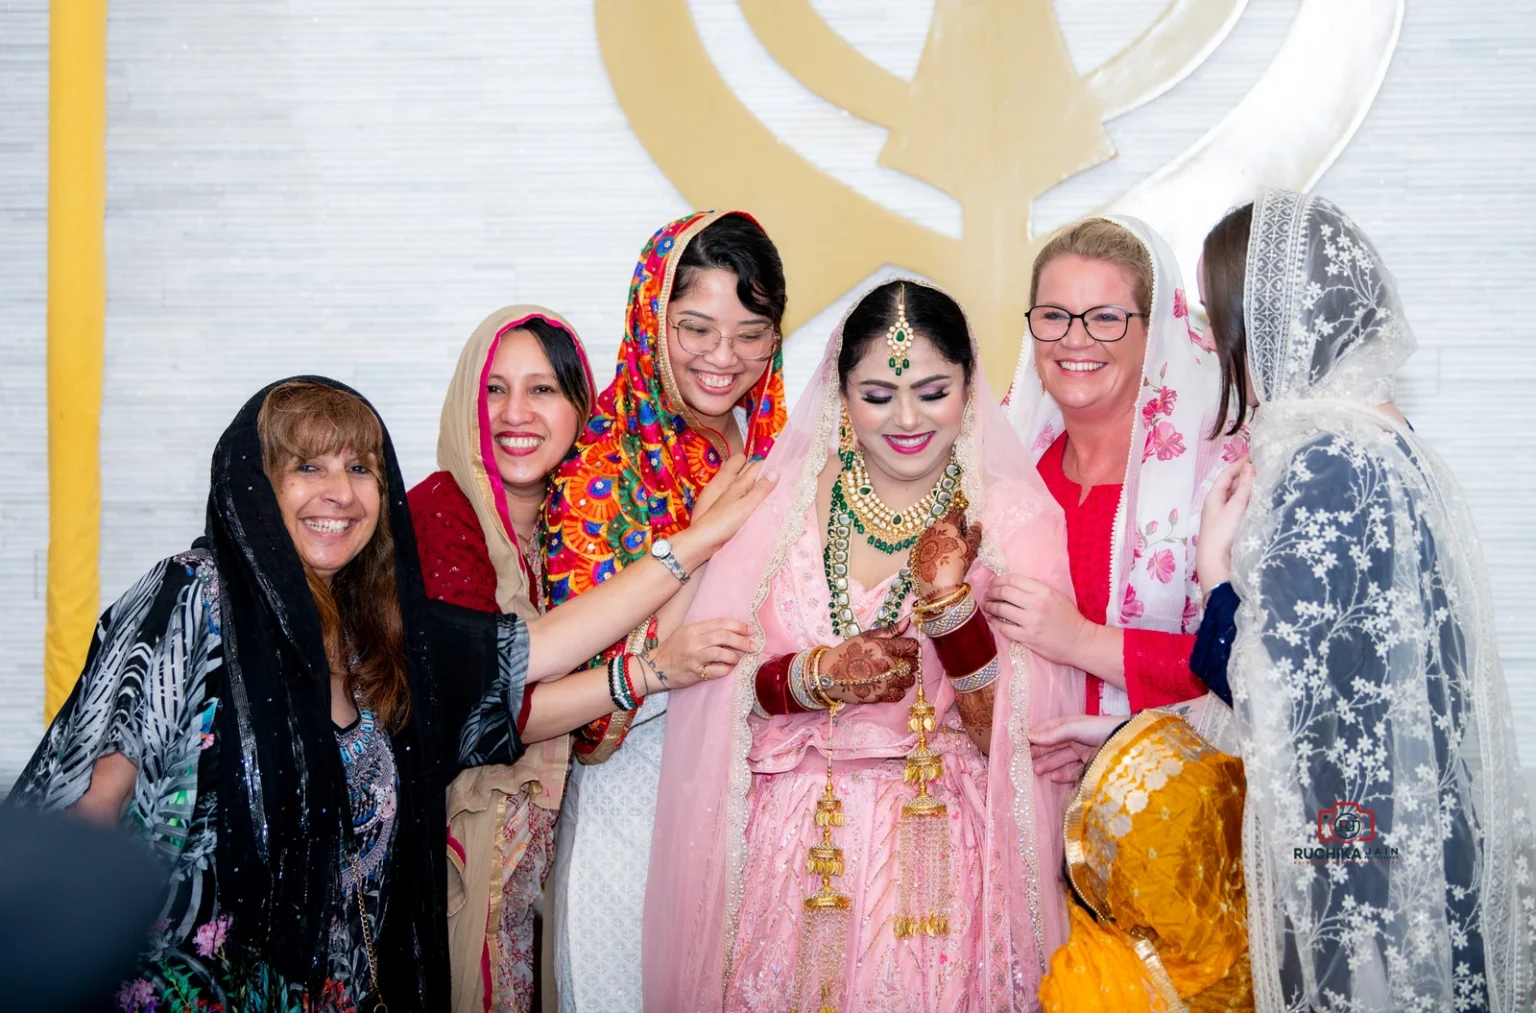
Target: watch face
x,y
661,547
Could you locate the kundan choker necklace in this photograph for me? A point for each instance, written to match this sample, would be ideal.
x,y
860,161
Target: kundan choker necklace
x,y
888,530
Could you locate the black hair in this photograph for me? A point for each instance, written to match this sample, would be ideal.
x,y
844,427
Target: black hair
x,y
931,313
560,348
737,244
1225,256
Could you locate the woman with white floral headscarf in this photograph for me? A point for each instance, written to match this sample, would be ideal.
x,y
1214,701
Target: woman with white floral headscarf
x,y
1117,403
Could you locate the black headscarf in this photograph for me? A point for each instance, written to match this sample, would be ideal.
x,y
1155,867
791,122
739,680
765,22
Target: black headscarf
x,y
282,812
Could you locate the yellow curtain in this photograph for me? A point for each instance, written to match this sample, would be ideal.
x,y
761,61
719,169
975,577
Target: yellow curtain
x,y
77,296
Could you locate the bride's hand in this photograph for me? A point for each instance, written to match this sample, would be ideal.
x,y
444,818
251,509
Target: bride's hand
x,y
1219,520
877,666
1061,747
944,553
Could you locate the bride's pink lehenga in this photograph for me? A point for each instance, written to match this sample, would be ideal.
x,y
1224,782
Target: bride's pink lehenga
x,y
728,879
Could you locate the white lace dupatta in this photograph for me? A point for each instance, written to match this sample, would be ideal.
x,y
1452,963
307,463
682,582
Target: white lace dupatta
x,y
1365,668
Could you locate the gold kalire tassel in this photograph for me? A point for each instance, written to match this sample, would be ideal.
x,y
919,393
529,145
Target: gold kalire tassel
x,y
924,835
824,930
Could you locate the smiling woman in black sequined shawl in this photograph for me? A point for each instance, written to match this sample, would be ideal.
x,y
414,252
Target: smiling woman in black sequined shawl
x,y
211,677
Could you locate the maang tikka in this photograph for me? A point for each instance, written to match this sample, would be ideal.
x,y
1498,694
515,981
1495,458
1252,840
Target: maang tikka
x,y
899,335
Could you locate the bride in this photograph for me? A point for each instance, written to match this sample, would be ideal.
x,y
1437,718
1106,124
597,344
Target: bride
x,y
849,821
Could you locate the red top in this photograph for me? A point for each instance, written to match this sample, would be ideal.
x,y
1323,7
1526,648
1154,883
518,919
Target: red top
x,y
1156,664
455,561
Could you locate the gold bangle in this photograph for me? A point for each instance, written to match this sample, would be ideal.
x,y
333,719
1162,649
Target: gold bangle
x,y
813,676
923,611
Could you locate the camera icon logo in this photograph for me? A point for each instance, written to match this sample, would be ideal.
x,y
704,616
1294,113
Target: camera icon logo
x,y
1346,823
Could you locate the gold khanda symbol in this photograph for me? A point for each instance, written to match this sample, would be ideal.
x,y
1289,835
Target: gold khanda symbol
x,y
994,116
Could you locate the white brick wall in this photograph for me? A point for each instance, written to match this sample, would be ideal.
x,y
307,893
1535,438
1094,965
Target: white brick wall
x,y
348,187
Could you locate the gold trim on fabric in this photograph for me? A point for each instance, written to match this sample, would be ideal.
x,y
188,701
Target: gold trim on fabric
x,y
493,917
663,359
1157,974
1072,826
618,722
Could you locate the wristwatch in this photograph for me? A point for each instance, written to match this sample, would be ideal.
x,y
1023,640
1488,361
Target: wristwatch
x,y
662,550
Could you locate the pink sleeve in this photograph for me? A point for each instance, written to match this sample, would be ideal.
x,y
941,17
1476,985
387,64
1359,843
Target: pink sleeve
x,y
1157,669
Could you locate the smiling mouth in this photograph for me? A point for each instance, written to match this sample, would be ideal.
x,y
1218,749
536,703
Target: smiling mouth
x,y
519,444
327,525
914,444
1080,367
715,383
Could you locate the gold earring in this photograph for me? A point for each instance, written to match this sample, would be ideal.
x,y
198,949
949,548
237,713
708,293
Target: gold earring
x,y
845,432
899,335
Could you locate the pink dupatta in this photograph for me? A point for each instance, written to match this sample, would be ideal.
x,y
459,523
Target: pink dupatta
x,y
695,887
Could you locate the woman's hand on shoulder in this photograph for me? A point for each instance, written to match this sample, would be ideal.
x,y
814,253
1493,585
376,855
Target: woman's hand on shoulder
x,y
707,649
1220,517
722,508
877,666
944,553
1038,616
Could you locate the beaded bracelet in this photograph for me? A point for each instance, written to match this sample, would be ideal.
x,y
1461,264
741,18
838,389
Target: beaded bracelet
x,y
797,684
619,688
979,679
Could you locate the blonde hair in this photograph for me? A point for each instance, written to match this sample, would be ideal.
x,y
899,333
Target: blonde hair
x,y
1100,239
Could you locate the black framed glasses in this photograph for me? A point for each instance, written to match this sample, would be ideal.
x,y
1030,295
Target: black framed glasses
x,y
754,343
1103,323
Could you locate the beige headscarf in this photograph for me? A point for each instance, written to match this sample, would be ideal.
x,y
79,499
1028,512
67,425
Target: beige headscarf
x,y
477,799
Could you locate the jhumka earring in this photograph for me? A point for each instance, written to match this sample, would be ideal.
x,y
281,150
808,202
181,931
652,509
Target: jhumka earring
x,y
844,432
824,929
923,833
899,335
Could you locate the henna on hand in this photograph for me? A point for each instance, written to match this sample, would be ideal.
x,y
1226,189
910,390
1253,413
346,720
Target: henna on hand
x,y
867,668
944,553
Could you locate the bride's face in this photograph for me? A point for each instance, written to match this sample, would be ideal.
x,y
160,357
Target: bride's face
x,y
906,424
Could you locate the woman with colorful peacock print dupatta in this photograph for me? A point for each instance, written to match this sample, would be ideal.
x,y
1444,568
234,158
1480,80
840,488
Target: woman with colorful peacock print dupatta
x,y
699,380
797,862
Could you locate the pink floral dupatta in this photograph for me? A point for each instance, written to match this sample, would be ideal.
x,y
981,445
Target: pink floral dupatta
x,y
698,853
1173,460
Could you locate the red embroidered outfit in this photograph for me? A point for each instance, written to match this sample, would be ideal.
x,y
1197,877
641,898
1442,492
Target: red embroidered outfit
x,y
1157,668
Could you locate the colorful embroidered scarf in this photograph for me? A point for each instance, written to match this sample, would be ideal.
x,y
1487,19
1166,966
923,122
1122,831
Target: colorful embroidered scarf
x,y
644,456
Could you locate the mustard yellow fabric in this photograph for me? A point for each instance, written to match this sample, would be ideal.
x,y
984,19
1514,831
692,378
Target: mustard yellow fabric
x,y
1154,850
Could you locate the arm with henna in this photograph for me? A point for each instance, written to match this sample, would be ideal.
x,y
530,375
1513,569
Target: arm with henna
x,y
976,715
940,560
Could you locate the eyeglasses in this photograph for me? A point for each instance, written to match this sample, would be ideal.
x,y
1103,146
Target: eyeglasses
x,y
1103,323
754,343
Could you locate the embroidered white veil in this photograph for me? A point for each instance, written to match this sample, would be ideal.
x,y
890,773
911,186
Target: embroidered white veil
x,y
1365,671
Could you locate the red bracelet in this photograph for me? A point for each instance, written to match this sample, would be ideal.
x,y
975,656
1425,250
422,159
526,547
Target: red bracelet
x,y
628,682
967,649
773,694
